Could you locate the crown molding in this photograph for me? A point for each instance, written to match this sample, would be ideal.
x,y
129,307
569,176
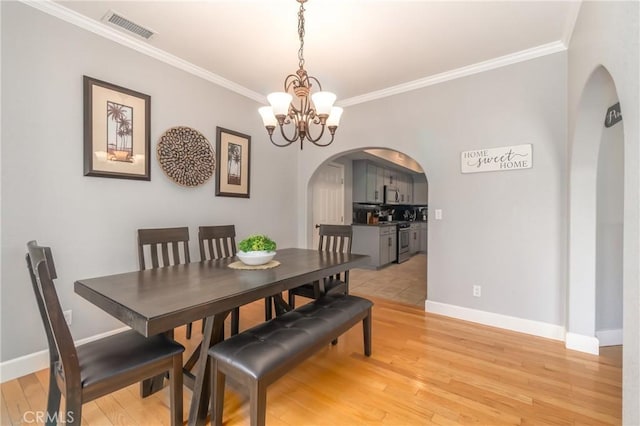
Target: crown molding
x,y
72,17
68,15
502,61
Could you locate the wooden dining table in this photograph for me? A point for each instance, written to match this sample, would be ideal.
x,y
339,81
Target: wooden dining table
x,y
158,300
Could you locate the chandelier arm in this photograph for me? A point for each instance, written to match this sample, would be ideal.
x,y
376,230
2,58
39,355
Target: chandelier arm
x,y
296,133
280,145
291,80
310,77
309,136
315,142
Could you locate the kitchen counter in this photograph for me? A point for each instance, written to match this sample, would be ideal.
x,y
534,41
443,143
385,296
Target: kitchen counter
x,y
375,224
392,223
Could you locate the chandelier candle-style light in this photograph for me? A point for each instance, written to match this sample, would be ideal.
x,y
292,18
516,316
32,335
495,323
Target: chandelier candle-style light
x,y
305,114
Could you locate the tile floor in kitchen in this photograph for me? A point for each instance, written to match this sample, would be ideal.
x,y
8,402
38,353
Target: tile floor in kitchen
x,y
404,283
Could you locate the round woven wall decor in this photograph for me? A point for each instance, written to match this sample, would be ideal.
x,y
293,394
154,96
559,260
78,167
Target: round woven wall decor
x,y
186,156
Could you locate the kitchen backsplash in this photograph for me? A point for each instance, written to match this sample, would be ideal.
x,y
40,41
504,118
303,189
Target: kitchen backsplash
x,y
362,213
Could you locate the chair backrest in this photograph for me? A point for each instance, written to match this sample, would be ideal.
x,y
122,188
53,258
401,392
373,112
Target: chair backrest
x,y
164,246
335,238
217,242
62,351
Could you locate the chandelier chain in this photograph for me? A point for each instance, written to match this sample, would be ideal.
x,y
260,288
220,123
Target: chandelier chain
x,y
301,35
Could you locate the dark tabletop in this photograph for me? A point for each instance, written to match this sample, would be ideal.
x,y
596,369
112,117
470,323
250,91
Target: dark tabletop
x,y
157,300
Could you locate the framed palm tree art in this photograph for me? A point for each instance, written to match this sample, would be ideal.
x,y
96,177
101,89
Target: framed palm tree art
x,y
116,131
233,151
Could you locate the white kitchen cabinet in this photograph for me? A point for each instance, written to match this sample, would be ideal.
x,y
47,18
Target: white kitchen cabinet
x,y
368,182
378,181
423,237
405,187
388,244
420,189
390,178
377,241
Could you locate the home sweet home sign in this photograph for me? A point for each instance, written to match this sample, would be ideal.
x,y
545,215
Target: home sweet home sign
x,y
496,159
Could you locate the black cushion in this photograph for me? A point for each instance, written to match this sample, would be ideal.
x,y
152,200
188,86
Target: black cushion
x,y
331,286
275,343
121,353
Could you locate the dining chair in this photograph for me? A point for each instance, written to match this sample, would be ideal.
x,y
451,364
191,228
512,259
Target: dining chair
x,y
164,247
219,242
333,239
86,372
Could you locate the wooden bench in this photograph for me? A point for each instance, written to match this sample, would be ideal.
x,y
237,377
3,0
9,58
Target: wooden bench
x,y
260,355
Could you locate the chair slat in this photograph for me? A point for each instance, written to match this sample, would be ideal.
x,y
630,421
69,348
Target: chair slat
x,y
222,237
176,251
185,247
219,253
336,239
221,241
161,242
154,255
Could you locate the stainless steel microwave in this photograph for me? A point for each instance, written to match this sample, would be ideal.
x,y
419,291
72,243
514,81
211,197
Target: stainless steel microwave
x,y
391,195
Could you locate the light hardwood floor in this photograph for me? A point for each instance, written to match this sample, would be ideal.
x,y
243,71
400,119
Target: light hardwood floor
x,y
425,369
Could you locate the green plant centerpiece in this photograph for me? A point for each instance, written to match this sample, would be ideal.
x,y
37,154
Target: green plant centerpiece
x,y
256,250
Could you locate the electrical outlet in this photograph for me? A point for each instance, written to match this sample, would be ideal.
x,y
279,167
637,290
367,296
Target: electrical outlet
x,y
67,316
438,214
477,290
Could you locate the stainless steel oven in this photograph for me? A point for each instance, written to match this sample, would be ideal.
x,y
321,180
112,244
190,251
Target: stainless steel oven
x,y
403,242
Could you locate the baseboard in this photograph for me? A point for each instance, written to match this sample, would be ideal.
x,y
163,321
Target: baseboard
x,y
536,328
609,337
582,343
36,361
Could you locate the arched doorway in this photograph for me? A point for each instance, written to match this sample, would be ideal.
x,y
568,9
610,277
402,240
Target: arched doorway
x,y
406,281
595,225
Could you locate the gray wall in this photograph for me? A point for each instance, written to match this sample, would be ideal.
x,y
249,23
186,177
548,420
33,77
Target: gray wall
x,y
607,34
90,222
609,230
503,230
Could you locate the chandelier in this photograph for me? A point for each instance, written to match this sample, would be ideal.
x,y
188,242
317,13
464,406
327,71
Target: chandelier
x,y
302,118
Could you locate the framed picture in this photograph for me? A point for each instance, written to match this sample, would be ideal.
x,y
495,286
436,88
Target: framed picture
x,y
233,155
117,136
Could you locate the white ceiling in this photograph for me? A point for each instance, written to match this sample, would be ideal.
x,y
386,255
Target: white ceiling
x,y
359,49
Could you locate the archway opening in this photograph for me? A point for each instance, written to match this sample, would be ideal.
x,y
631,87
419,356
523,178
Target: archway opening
x,y
385,199
596,212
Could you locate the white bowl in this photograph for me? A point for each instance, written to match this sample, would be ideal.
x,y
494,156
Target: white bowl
x,y
255,257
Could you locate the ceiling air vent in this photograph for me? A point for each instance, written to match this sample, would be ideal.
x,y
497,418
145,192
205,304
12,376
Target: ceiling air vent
x,y
115,18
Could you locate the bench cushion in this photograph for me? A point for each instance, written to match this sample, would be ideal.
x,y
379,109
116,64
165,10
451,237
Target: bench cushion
x,y
274,344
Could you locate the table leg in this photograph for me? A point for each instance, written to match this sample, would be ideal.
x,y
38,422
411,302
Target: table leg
x,y
268,311
280,304
213,333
